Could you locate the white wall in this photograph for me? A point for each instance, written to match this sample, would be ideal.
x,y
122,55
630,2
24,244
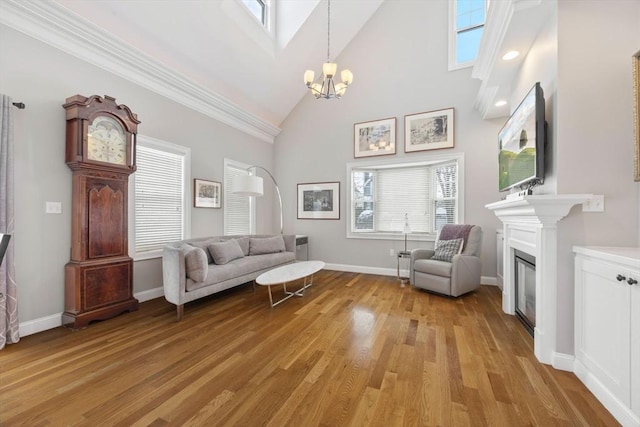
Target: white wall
x,y
43,77
399,61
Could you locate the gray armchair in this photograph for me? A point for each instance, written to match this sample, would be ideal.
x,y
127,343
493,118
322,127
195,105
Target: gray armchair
x,y
454,278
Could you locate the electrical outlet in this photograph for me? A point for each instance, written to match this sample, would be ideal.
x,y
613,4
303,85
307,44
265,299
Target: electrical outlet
x,y
391,252
594,204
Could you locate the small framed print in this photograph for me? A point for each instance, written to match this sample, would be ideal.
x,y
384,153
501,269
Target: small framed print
x,y
428,131
376,138
207,194
319,200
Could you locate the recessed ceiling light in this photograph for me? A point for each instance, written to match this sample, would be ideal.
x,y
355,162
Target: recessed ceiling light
x,y
510,55
501,103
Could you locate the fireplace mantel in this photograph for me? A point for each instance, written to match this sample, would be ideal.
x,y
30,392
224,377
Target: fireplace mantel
x,y
530,225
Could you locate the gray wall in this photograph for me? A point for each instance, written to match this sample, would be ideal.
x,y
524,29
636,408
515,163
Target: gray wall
x,y
43,77
595,134
399,61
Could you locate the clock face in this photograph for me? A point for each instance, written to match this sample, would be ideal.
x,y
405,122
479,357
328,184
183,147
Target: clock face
x,y
107,141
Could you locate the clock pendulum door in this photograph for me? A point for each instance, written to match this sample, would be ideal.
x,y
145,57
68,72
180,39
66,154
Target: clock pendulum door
x,y
100,151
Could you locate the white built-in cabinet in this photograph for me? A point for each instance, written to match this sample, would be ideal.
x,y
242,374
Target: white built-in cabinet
x,y
607,328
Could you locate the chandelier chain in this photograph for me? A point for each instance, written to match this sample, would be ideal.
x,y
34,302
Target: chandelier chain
x,y
328,30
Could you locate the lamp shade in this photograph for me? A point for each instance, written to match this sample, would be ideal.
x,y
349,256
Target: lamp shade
x,y
248,185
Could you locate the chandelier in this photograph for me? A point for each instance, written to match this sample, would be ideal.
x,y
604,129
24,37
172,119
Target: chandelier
x,y
327,88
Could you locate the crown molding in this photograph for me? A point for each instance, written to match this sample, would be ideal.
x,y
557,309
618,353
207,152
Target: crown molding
x,y
57,26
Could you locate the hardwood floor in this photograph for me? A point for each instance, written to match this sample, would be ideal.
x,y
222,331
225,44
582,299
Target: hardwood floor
x,y
355,350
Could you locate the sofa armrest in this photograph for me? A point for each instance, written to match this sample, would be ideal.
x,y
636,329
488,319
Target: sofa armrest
x,y
417,254
174,274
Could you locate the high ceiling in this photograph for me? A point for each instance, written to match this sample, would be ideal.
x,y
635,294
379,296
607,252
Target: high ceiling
x,y
214,57
218,45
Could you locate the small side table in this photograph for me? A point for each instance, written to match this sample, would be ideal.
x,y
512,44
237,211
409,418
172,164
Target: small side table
x,y
402,254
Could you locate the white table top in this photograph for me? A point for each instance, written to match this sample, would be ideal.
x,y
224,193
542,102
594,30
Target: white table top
x,y
289,272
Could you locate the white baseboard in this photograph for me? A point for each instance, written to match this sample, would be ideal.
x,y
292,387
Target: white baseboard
x,y
618,409
563,362
491,281
53,321
364,270
149,294
41,324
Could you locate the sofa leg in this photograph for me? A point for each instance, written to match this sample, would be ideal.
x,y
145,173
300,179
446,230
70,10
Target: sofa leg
x,y
180,311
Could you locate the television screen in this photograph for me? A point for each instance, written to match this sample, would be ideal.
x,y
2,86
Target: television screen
x,y
522,139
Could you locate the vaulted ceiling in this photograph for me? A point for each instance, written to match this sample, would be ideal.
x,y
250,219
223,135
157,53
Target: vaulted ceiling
x,y
212,55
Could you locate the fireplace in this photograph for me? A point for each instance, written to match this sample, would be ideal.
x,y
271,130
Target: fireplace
x,y
530,226
525,289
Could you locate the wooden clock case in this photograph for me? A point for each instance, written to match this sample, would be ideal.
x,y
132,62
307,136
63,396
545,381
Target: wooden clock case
x,y
99,275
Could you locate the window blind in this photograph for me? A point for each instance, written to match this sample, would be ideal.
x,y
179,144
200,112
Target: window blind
x,y
159,198
400,191
237,209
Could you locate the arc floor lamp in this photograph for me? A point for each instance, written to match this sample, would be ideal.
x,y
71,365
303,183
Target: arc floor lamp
x,y
252,186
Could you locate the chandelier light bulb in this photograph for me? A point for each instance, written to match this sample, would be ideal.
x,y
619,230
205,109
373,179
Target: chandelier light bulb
x,y
329,69
309,76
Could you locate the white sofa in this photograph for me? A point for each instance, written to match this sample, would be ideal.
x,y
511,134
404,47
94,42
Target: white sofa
x,y
195,268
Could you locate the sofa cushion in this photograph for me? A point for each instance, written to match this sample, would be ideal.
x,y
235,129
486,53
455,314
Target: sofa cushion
x,y
195,260
223,252
446,249
204,245
266,245
244,244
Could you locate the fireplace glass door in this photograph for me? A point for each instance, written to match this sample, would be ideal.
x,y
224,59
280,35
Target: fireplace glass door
x,y
525,279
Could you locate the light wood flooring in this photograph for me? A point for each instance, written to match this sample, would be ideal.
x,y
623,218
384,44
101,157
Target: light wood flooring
x,y
357,349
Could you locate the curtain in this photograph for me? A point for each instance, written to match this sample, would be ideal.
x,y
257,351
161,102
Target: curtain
x,y
9,327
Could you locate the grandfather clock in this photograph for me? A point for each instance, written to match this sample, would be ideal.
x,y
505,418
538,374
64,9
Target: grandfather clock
x,y
100,151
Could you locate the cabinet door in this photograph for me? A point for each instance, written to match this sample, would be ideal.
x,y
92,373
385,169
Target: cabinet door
x,y
603,324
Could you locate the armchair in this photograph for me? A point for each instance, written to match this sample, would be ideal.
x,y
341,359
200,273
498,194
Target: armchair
x,y
455,277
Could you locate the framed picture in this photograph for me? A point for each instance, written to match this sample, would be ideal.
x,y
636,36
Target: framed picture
x,y
428,131
377,138
636,112
207,194
319,200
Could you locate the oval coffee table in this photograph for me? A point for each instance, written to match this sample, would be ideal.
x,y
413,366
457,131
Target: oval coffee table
x,y
287,273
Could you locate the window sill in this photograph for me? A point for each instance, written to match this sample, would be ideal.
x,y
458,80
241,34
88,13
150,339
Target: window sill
x,y
426,237
147,255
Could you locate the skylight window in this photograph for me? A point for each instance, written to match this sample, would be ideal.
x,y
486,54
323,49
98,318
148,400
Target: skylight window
x,y
466,27
258,8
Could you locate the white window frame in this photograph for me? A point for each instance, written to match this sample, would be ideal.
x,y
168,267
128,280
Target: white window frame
x,y
453,32
265,22
227,193
415,161
263,35
168,147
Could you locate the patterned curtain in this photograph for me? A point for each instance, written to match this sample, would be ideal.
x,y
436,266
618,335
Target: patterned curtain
x,y
9,327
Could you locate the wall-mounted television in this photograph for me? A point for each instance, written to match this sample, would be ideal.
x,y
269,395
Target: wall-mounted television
x,y
522,143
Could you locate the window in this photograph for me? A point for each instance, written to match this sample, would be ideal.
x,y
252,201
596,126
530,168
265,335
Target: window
x,y
258,8
428,191
161,197
239,211
466,23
